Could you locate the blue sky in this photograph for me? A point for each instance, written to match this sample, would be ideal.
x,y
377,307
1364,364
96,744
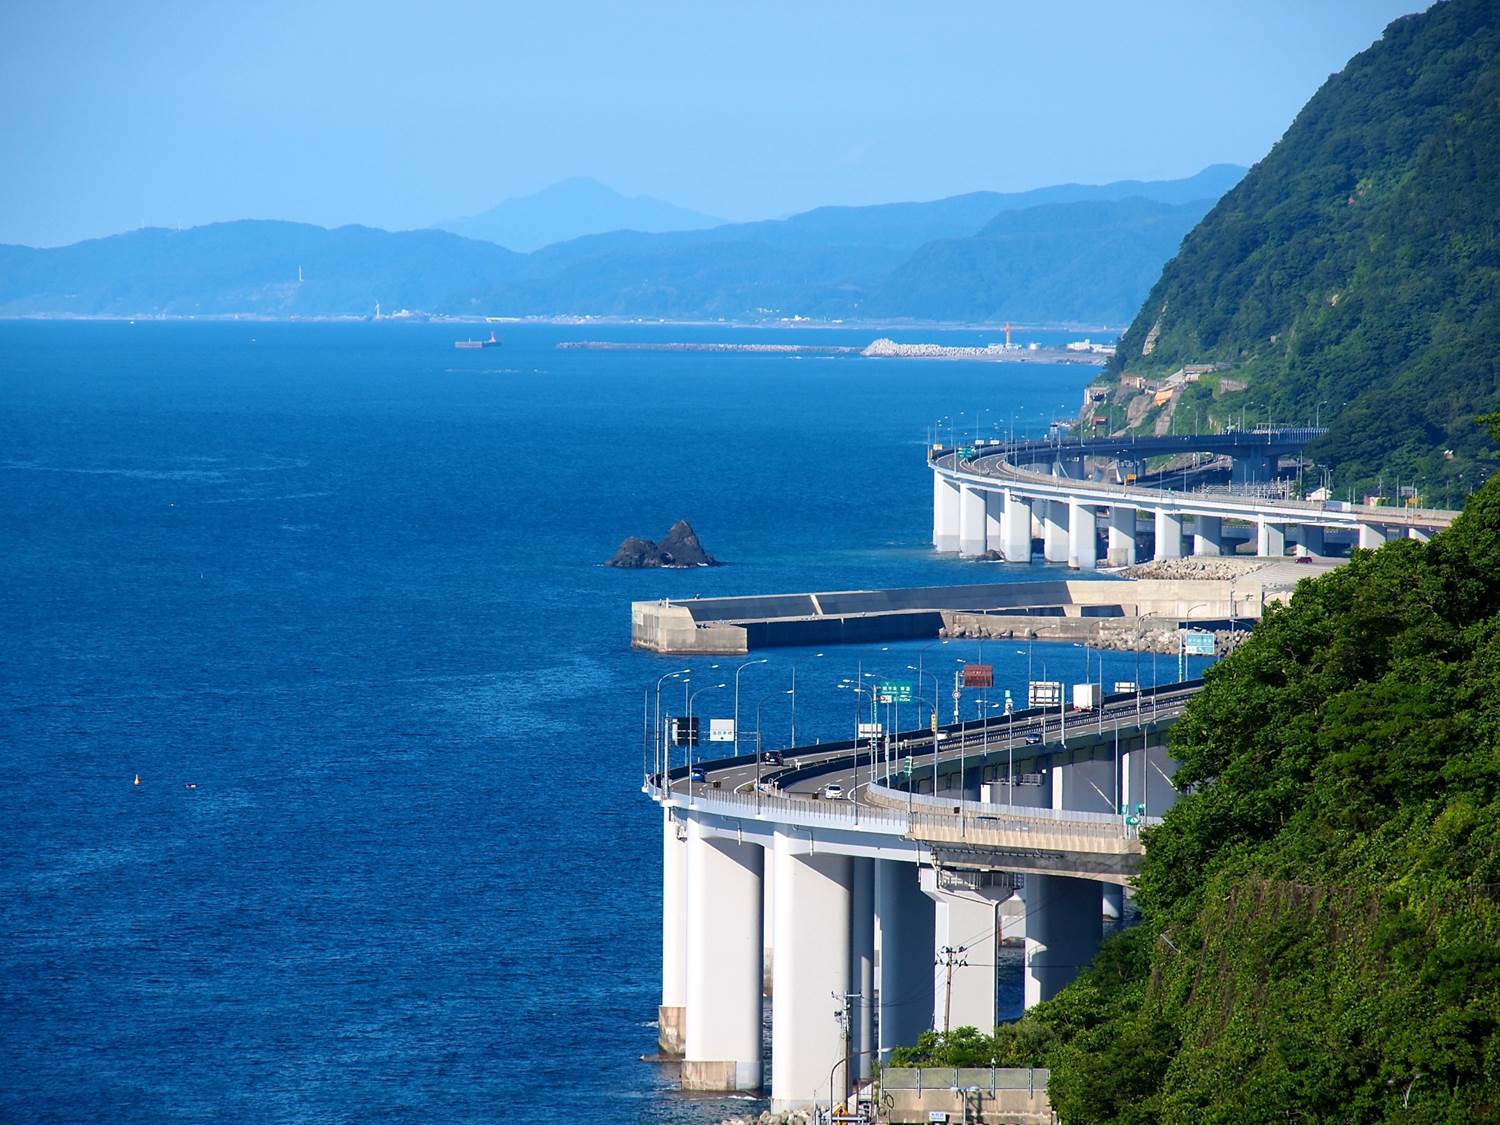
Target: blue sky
x,y
400,115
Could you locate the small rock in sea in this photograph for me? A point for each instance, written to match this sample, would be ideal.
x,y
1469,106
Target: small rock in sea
x,y
680,548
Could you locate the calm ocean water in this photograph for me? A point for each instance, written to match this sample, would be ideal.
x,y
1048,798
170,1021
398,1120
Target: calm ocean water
x,y
334,593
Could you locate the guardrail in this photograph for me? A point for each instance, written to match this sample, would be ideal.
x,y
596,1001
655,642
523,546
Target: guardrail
x,y
988,1080
992,463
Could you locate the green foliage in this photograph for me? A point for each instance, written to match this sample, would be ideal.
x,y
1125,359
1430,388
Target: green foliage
x,y
1357,267
1321,913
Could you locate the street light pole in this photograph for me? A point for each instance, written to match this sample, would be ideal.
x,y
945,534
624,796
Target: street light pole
x,y
737,672
664,768
690,739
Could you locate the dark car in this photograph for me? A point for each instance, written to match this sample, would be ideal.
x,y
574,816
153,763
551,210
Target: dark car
x,y
771,757
1033,738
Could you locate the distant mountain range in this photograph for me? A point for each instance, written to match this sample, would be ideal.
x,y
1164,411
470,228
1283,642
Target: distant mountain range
x,y
570,209
1069,253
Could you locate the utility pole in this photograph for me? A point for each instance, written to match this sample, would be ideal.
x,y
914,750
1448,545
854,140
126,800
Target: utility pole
x,y
950,958
842,1014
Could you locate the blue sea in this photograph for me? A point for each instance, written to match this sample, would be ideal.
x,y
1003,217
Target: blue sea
x,y
333,592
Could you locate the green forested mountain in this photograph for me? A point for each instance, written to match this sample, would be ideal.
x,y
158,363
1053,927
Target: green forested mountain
x,y
1320,931
1358,265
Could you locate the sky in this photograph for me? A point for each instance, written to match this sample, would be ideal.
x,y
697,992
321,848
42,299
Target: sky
x,y
124,114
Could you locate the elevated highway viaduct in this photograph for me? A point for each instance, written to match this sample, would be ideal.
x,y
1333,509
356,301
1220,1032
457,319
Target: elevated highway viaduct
x,y
999,497
879,911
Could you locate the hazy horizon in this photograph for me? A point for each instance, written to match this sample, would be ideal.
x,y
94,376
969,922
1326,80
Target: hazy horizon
x,y
139,115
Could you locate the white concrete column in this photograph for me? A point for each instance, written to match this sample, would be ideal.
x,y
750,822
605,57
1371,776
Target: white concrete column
x,y
970,521
1083,536
1168,535
862,966
1371,535
905,918
963,922
1312,539
1017,531
1063,928
994,521
1420,534
1270,539
1121,536
724,964
671,1025
1208,535
1112,901
944,513
1055,536
813,900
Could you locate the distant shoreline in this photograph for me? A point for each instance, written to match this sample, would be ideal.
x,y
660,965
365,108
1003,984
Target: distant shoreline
x,y
571,321
879,349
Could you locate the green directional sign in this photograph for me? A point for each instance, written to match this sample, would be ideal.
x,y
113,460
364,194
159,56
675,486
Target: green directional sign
x,y
895,691
906,768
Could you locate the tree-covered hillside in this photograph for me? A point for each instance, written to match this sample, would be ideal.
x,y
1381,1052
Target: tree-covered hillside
x,y
1356,269
1320,932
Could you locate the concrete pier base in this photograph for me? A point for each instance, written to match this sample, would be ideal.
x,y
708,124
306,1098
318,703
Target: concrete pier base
x,y
1055,537
967,924
1168,535
1017,529
1208,536
1112,901
1270,539
1371,536
1063,930
1122,545
1083,536
944,513
724,964
671,1016
813,906
970,521
994,521
906,919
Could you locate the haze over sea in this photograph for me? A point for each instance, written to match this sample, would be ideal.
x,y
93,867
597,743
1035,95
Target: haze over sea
x,y
345,581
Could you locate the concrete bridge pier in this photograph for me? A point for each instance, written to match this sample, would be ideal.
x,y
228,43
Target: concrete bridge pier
x,y
814,901
1168,535
971,520
1208,535
1122,545
1371,535
1017,530
1310,535
994,521
906,919
724,964
1270,539
966,922
671,1023
1083,536
944,513
1419,534
1112,901
862,1044
1063,930
1055,535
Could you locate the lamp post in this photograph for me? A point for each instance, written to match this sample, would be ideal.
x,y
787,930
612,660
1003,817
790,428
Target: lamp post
x,y
663,768
689,747
737,672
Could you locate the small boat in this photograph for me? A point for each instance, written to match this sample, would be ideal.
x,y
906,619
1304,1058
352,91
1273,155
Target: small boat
x,y
467,345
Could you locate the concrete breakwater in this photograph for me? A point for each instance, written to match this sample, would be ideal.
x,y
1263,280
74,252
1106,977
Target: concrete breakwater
x,y
1125,612
705,346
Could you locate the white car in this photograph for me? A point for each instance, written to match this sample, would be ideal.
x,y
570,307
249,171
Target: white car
x,y
833,792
